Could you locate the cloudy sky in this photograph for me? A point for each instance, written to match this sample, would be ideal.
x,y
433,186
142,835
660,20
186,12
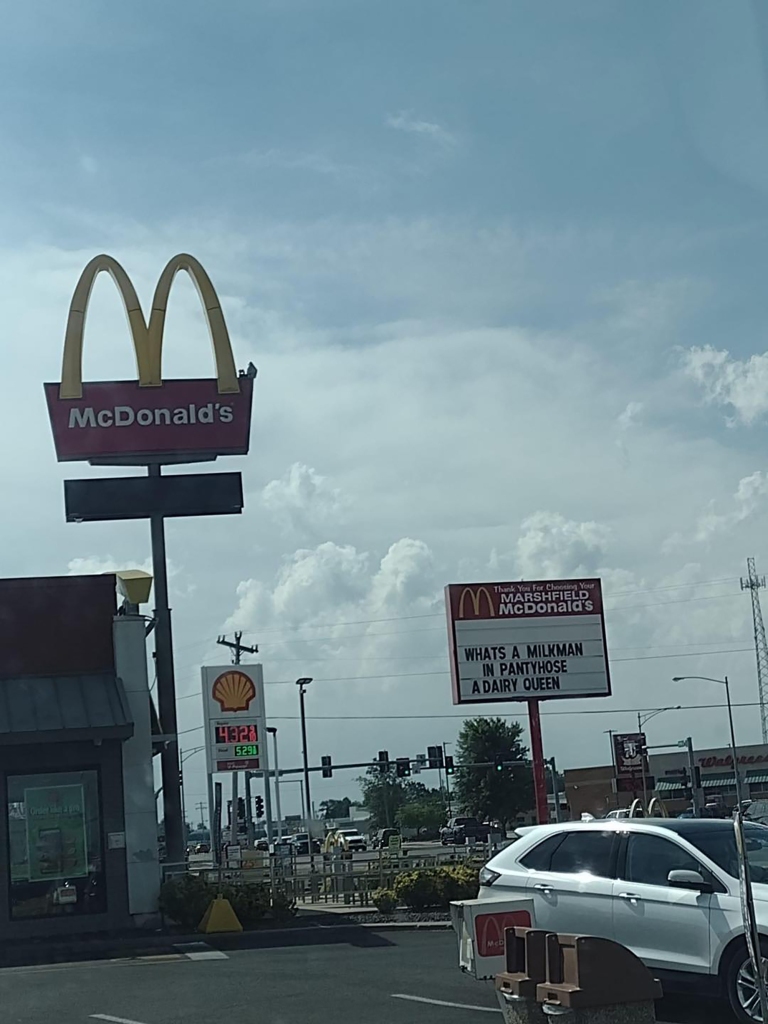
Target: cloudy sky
x,y
501,266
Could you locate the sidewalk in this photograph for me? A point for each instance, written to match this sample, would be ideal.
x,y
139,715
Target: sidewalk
x,y
310,927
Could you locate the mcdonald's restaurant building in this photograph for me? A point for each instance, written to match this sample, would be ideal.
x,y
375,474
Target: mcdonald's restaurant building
x,y
78,826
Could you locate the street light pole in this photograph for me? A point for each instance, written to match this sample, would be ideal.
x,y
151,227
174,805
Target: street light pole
x,y
642,720
736,773
747,896
273,731
302,684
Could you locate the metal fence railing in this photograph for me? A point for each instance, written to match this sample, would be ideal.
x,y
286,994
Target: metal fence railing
x,y
336,879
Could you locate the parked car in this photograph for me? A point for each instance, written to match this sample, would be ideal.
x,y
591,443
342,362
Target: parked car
x,y
382,837
666,888
303,844
458,830
353,838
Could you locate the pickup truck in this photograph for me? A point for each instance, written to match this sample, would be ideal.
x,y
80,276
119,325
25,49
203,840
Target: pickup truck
x,y
458,830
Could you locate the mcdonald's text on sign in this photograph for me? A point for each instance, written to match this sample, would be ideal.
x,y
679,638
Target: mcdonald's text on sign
x,y
149,419
527,640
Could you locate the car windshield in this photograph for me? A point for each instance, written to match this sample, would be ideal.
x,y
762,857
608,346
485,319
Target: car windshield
x,y
720,846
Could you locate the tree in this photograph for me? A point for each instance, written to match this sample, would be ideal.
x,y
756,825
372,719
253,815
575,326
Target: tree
x,y
383,795
486,792
335,808
424,811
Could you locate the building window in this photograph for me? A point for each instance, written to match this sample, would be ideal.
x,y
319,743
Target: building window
x,y
54,830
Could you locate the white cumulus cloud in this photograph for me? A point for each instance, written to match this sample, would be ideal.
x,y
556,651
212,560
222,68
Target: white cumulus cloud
x,y
552,546
741,384
404,121
303,500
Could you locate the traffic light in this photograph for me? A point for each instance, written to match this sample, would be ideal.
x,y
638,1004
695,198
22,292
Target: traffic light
x,y
403,766
325,761
240,809
181,779
498,763
383,761
259,805
449,767
435,757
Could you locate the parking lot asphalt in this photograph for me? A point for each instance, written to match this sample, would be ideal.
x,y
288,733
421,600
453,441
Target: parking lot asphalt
x,y
366,978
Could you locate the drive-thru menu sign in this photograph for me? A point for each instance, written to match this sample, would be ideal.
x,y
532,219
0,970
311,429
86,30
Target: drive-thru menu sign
x,y
537,640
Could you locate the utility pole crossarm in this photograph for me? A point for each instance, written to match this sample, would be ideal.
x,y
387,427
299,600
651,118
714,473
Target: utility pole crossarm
x,y
237,648
753,583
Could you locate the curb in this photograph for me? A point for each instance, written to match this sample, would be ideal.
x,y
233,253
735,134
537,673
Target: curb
x,y
149,945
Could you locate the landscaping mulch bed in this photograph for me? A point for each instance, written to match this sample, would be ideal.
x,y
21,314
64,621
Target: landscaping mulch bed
x,y
399,917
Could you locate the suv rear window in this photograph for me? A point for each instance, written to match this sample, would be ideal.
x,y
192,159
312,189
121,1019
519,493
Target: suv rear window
x,y
584,852
540,857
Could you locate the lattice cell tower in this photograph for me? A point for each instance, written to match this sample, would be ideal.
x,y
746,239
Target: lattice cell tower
x,y
753,583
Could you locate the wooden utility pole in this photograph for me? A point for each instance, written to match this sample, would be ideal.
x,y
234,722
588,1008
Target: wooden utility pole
x,y
238,649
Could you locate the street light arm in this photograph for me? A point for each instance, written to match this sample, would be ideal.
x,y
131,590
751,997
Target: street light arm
x,y
706,679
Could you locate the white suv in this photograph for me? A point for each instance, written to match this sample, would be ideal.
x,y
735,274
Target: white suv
x,y
666,888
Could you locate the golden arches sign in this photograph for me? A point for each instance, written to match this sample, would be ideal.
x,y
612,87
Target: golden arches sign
x,y
147,338
474,597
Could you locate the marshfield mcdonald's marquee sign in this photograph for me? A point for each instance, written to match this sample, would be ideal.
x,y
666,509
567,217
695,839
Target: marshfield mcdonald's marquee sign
x,y
149,419
527,640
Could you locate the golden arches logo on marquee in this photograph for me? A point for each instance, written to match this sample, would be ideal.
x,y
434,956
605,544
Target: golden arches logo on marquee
x,y
474,597
129,422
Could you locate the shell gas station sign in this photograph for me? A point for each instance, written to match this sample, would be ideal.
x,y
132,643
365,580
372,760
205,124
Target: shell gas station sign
x,y
235,726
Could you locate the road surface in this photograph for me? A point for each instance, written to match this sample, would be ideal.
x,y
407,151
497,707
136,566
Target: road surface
x,y
369,978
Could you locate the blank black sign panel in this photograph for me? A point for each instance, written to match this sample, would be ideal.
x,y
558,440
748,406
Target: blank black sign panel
x,y
139,497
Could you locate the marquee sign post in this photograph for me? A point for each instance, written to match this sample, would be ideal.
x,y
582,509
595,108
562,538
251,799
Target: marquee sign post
x,y
151,422
527,641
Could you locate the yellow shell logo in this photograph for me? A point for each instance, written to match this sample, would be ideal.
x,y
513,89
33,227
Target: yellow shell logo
x,y
234,691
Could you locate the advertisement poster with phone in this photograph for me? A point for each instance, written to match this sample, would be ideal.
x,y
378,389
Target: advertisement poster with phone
x,y
56,836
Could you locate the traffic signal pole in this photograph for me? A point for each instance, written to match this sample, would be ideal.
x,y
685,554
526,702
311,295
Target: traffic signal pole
x,y
447,782
537,756
249,829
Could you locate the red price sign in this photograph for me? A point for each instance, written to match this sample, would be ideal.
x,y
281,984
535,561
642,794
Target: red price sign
x,y
236,734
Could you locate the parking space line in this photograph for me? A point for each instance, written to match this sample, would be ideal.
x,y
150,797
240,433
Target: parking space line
x,y
200,951
114,1020
442,1002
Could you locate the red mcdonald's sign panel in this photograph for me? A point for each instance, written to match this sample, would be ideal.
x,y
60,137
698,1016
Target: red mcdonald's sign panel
x,y
490,928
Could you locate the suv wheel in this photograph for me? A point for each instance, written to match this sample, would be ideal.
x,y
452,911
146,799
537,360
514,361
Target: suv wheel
x,y
740,984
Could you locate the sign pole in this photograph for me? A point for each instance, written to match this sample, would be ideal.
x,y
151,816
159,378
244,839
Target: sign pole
x,y
537,754
166,691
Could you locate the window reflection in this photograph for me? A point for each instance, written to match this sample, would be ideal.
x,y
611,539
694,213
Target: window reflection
x,y
54,829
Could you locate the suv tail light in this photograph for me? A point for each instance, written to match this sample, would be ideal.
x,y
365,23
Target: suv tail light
x,y
488,876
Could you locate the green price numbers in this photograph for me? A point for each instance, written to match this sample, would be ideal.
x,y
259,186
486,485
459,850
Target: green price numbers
x,y
247,750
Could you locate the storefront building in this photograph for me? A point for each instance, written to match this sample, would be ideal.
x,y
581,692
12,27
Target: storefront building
x,y
78,835
716,769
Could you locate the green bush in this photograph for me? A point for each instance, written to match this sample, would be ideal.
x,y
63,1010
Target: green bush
x,y
385,901
457,882
185,900
418,889
436,887
250,901
283,905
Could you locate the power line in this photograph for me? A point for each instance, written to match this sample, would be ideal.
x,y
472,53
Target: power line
x,y
434,615
492,714
444,672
